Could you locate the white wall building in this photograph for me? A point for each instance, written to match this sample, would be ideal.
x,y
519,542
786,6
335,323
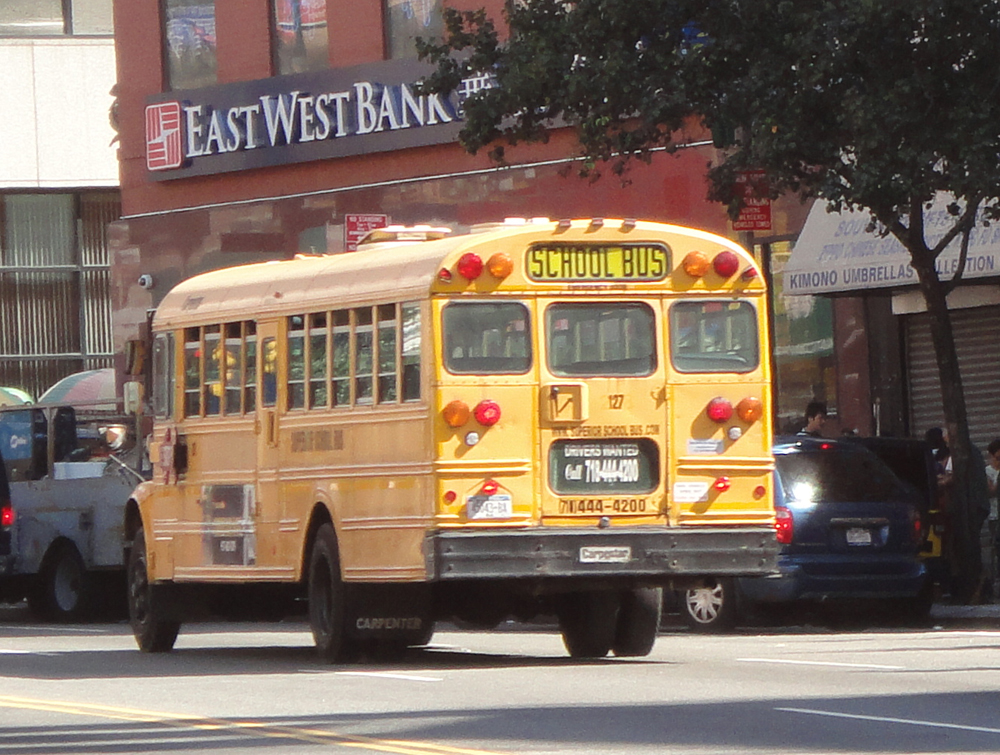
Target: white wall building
x,y
58,186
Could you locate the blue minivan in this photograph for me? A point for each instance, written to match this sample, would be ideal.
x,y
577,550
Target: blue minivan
x,y
849,529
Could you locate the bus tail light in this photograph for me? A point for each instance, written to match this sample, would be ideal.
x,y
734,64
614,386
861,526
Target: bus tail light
x,y
722,484
487,413
750,409
719,410
500,265
784,525
470,266
726,264
6,516
456,413
450,496
695,264
489,487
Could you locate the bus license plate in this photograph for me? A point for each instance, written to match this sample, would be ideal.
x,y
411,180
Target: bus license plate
x,y
859,536
489,506
605,554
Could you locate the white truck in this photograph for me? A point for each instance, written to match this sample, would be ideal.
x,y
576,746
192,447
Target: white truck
x,y
63,488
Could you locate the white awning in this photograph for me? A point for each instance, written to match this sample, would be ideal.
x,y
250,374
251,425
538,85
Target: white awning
x,y
836,253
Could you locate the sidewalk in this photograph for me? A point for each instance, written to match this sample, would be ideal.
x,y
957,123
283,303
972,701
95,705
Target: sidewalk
x,y
983,616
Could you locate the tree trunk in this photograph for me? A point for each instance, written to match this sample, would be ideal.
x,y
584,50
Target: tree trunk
x,y
964,514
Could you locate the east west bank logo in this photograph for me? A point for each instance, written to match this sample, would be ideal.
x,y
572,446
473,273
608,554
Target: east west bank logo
x,y
178,134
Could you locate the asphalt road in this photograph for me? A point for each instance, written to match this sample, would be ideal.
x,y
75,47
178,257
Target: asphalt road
x,y
259,688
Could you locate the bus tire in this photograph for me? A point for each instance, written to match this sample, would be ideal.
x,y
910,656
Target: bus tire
x,y
588,622
63,591
327,597
710,607
153,632
638,621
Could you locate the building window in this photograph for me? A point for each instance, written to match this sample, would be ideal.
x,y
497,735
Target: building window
x,y
804,364
55,285
46,18
300,36
408,19
189,33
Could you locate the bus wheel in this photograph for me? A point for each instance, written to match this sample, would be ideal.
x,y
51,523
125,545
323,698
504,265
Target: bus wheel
x,y
327,597
638,621
588,621
63,591
710,607
153,633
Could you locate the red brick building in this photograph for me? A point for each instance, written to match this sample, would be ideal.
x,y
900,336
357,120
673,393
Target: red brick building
x,y
255,130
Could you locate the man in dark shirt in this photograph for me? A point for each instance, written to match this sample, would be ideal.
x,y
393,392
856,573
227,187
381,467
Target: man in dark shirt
x,y
815,419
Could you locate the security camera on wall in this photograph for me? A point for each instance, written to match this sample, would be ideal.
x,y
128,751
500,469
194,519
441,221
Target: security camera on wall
x,y
146,281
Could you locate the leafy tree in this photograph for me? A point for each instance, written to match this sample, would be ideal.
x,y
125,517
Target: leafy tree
x,y
865,104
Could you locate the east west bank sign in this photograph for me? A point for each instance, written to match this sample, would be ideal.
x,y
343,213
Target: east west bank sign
x,y
298,118
836,252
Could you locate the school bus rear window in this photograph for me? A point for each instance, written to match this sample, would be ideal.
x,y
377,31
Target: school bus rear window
x,y
483,338
598,339
714,336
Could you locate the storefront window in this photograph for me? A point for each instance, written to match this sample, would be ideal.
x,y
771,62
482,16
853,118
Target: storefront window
x,y
189,31
408,19
300,36
804,364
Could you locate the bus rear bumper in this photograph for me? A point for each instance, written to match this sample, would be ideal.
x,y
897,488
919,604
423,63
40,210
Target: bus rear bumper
x,y
653,554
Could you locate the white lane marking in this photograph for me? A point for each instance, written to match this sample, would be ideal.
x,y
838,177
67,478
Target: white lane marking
x,y
386,675
28,652
821,663
891,720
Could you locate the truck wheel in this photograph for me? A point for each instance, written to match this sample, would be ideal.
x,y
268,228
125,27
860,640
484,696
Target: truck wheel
x,y
64,588
638,621
710,607
588,622
327,596
153,633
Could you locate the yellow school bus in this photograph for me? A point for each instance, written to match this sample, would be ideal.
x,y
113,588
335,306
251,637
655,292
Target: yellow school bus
x,y
554,418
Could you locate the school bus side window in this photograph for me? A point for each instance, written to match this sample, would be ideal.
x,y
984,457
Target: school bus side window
x,y
410,328
597,339
192,372
318,362
363,356
483,338
340,368
388,357
296,362
714,336
163,375
250,367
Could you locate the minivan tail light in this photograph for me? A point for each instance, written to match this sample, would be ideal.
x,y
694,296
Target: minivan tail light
x,y
784,525
6,516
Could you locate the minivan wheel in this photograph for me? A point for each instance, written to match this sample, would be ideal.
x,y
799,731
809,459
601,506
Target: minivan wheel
x,y
710,607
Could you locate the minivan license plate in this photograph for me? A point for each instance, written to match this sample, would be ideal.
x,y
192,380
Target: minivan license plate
x,y
859,536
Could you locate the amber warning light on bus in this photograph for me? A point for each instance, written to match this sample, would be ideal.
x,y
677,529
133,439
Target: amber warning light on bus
x,y
470,266
725,264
